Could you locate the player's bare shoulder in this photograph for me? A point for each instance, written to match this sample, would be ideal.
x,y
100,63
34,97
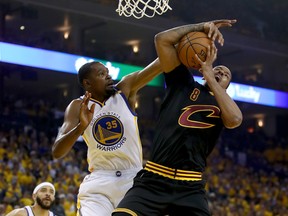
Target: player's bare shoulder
x,y
76,102
74,105
18,212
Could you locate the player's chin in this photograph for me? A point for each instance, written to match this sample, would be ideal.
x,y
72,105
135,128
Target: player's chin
x,y
110,90
47,204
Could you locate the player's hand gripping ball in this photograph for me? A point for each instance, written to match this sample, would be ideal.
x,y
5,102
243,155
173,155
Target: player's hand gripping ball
x,y
191,44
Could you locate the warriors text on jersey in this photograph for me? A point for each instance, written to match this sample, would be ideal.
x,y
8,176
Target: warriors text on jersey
x,y
186,135
112,136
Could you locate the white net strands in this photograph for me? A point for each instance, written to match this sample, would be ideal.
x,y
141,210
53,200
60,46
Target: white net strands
x,y
141,8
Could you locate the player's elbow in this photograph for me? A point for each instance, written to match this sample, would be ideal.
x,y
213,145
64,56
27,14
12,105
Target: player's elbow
x,y
159,38
56,154
233,122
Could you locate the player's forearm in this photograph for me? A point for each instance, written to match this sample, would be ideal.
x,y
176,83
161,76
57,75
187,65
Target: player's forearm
x,y
135,81
64,142
172,36
148,74
230,113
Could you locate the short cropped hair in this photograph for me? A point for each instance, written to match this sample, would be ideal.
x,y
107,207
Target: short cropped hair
x,y
84,71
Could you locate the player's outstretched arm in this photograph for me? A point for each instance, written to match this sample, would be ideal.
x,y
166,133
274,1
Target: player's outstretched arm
x,y
133,82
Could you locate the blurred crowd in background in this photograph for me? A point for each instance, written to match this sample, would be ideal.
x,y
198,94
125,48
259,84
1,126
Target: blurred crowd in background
x,y
246,175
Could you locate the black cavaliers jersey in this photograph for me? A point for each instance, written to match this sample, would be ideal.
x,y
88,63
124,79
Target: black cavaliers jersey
x,y
189,123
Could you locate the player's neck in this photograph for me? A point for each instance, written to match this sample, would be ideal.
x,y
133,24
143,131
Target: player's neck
x,y
38,211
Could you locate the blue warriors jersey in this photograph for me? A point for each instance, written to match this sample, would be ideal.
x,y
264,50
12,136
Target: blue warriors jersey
x,y
112,136
189,123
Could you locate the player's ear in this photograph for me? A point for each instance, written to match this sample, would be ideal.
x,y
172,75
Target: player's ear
x,y
86,82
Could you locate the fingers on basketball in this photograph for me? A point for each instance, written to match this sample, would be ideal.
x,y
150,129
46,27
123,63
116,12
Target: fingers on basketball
x,y
193,43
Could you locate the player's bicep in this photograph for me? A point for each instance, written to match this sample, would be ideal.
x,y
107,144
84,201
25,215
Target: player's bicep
x,y
71,117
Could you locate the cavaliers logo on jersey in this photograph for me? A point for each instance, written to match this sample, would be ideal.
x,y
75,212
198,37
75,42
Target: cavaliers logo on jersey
x,y
108,130
187,119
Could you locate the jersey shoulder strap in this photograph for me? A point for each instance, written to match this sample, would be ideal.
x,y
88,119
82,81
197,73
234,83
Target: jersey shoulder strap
x,y
29,210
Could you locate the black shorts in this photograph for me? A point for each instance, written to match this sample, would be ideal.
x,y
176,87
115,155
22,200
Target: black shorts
x,y
153,194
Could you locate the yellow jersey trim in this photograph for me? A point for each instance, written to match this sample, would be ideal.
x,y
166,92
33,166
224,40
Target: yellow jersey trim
x,y
171,173
128,211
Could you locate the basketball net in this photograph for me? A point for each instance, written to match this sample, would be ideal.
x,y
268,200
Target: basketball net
x,y
140,8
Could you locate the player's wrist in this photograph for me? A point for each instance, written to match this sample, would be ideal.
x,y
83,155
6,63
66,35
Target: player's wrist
x,y
198,27
81,127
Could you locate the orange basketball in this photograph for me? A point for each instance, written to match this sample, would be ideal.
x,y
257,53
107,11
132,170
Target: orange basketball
x,y
191,44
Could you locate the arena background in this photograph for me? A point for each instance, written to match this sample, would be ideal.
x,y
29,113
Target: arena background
x,y
32,100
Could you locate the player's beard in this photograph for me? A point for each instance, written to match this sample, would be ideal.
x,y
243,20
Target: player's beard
x,y
42,204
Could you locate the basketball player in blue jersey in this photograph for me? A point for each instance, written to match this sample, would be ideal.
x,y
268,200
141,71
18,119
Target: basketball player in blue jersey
x,y
43,196
105,117
191,119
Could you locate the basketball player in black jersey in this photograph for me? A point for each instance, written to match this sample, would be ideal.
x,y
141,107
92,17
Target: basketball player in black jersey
x,y
191,119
